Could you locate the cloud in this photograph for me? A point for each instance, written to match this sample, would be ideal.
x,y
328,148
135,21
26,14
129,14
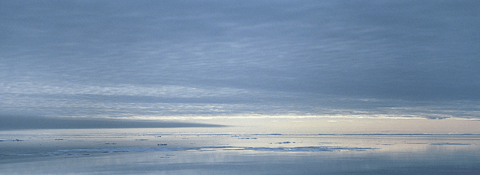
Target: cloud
x,y
86,58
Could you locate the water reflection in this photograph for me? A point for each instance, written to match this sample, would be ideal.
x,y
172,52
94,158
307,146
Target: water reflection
x,y
137,151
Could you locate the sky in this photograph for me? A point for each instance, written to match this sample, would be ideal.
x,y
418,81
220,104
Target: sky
x,y
140,59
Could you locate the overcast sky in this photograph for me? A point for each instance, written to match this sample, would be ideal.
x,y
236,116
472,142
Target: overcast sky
x,y
240,58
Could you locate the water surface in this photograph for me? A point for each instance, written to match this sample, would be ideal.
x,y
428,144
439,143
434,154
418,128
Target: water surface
x,y
219,151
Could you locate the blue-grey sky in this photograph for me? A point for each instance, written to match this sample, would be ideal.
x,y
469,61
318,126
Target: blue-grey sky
x,y
239,58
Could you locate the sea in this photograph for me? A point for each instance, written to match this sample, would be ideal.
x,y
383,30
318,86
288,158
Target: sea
x,y
242,147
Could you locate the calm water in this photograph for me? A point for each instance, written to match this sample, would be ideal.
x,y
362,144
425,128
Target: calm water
x,y
231,150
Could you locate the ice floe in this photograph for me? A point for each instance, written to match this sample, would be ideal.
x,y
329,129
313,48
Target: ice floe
x,y
450,144
13,154
14,140
211,148
304,149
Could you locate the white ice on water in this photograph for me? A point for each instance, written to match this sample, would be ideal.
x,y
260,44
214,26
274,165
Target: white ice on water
x,y
450,144
230,148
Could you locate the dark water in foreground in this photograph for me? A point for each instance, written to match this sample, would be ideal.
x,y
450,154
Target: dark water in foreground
x,y
181,151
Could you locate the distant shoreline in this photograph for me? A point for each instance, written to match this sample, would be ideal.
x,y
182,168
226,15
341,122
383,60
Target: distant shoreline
x,y
8,123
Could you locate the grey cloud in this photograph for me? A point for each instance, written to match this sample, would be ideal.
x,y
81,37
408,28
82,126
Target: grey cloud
x,y
294,57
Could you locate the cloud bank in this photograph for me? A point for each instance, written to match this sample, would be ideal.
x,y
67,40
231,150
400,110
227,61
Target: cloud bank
x,y
124,58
